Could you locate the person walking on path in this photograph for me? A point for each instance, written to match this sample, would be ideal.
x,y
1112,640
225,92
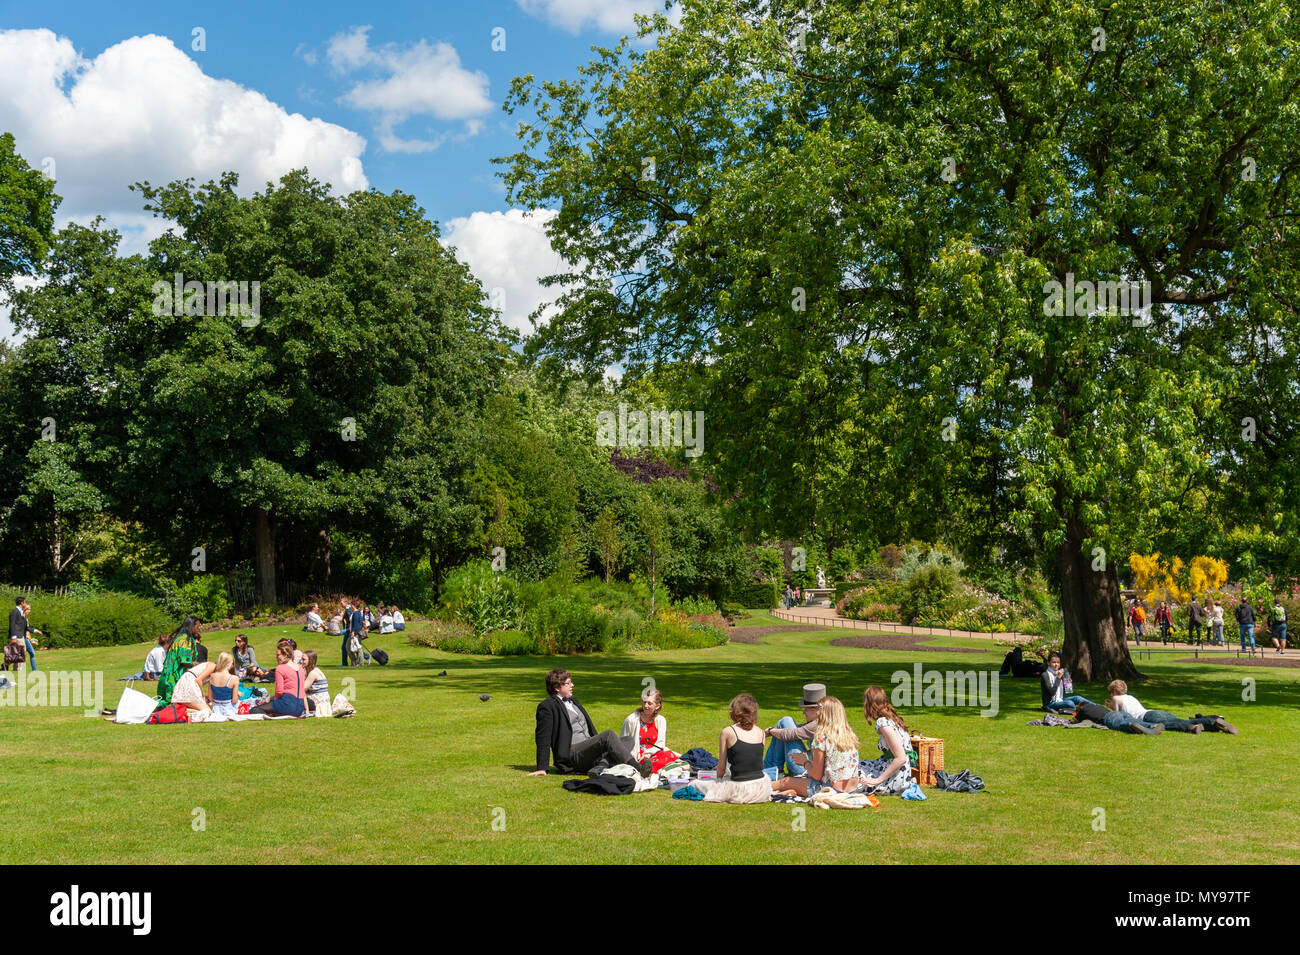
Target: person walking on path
x,y
1163,621
20,629
1277,624
1195,617
1246,622
1138,617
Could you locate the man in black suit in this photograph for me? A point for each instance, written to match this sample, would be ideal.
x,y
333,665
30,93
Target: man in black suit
x,y
564,727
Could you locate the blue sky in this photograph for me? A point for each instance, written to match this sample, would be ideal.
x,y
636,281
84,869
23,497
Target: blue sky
x,y
394,96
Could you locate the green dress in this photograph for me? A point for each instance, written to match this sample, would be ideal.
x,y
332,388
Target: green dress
x,y
179,659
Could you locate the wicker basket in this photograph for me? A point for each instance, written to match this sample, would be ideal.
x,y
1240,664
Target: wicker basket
x,y
929,759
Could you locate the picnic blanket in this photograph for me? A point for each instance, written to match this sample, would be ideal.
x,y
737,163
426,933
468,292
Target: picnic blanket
x,y
1051,720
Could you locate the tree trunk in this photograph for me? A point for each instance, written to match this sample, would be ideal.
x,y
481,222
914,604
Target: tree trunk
x,y
1093,613
323,552
56,548
265,541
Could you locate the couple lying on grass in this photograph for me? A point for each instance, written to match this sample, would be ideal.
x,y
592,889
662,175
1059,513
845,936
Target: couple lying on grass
x,y
565,730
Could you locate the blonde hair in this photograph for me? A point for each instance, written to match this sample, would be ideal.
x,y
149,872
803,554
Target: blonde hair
x,y
225,663
833,725
1117,688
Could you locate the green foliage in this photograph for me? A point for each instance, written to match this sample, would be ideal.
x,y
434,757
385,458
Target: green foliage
x,y
203,597
450,635
511,643
407,583
695,605
760,595
926,593
27,204
94,618
483,599
569,625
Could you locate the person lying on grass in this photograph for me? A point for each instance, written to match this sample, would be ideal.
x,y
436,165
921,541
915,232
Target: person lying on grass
x,y
834,762
565,729
891,773
1121,702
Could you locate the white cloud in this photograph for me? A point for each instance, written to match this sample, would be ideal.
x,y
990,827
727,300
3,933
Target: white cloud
x,y
424,79
143,110
509,251
611,16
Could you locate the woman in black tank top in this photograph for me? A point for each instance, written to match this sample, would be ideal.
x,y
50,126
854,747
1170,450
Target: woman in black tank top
x,y
745,757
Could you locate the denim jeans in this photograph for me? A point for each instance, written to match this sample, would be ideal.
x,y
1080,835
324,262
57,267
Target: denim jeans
x,y
31,653
1137,632
1247,633
778,751
1122,721
1218,634
1279,632
1067,704
1172,722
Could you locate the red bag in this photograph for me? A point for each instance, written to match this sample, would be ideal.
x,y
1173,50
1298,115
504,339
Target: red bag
x,y
661,759
171,713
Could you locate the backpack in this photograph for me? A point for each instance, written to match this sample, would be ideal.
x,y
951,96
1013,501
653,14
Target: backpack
x,y
171,713
963,782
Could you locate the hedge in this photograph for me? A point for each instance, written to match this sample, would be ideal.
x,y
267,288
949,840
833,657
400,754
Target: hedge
x,y
101,619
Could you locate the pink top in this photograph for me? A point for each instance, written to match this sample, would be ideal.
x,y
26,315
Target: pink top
x,y
289,680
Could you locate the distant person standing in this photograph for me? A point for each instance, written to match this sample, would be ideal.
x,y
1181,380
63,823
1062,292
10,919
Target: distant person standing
x,y
1245,614
357,631
346,615
789,597
1195,617
1214,612
20,629
1277,624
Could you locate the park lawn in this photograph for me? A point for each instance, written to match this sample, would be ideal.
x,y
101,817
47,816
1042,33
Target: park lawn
x,y
425,769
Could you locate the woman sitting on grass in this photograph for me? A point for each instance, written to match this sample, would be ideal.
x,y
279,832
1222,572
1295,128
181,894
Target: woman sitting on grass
x,y
189,688
290,687
318,687
224,686
890,774
741,748
646,728
1058,690
182,653
834,761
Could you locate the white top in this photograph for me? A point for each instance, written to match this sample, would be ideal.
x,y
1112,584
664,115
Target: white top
x,y
1218,613
313,619
1130,705
632,730
385,624
398,618
153,663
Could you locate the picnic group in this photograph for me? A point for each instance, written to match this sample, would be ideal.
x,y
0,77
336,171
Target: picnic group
x,y
228,688
817,759
1205,621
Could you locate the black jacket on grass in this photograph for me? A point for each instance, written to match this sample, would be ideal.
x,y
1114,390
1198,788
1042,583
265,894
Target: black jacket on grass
x,y
555,734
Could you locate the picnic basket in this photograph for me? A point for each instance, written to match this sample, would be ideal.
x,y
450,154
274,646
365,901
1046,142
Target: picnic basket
x,y
929,759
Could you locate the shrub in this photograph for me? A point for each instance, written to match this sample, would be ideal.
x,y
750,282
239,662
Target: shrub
x,y
759,595
692,606
569,625
928,589
101,619
671,630
204,597
511,643
435,633
475,594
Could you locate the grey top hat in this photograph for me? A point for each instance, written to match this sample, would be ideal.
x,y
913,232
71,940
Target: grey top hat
x,y
813,694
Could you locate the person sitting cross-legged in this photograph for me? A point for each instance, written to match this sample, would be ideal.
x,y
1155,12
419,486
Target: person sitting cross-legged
x,y
565,729
1058,695
834,763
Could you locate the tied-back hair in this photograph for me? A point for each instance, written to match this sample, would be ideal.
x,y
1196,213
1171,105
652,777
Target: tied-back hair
x,y
744,710
833,725
875,704
651,694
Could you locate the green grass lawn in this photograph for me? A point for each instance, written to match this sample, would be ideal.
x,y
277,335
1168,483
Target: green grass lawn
x,y
425,768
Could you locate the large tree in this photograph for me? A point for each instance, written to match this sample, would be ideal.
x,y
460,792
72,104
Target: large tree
x,y
845,218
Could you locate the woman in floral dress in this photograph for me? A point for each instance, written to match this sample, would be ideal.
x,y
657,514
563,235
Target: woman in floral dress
x,y
891,773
